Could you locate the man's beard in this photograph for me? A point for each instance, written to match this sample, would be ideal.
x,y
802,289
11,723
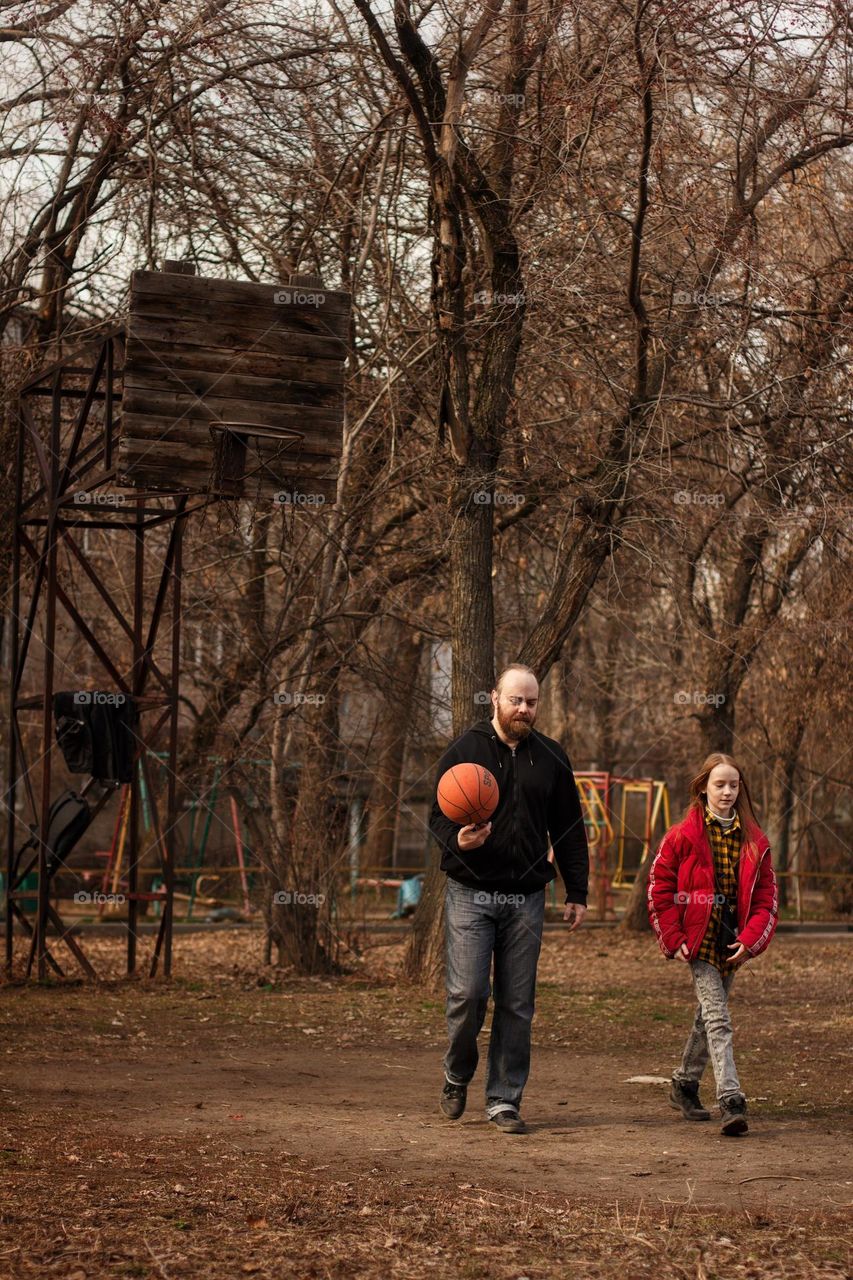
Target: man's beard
x,y
513,725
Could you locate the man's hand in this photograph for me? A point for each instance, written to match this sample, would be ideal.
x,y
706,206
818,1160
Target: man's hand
x,y
573,915
472,837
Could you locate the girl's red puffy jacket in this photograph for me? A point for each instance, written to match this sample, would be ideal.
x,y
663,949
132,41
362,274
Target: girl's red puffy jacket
x,y
681,888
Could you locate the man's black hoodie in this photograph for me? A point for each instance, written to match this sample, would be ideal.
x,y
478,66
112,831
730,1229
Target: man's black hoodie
x,y
538,800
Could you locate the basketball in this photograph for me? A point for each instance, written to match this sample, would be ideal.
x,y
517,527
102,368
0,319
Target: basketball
x,y
467,793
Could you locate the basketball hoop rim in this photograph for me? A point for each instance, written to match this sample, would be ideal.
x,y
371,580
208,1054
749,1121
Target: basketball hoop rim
x,y
257,429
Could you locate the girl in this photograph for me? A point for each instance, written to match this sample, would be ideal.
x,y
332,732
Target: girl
x,y
713,905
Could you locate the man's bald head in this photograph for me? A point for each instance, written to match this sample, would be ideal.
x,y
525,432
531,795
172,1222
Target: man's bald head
x,y
513,667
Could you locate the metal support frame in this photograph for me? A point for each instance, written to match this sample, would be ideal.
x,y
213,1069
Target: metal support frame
x,y
66,481
66,470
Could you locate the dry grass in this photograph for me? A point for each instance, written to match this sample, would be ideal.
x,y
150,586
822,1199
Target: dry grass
x,y
80,1199
89,1209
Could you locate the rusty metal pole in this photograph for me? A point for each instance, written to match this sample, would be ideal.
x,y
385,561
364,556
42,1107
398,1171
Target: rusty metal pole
x,y
49,662
170,852
14,658
137,685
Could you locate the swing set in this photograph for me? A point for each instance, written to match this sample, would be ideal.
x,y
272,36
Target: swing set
x,y
624,818
196,850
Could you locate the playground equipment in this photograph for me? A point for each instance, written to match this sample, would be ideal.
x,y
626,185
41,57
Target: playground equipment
x,y
200,814
194,857
115,854
214,389
614,820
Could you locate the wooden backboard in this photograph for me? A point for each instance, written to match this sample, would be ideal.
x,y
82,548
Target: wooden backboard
x,y
208,360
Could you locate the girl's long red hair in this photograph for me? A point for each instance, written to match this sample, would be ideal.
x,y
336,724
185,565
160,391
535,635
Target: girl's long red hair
x,y
699,788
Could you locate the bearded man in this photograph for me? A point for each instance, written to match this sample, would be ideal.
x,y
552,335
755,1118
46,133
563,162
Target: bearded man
x,y
495,897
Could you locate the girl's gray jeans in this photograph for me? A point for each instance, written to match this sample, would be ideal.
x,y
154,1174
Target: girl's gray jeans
x,y
711,1033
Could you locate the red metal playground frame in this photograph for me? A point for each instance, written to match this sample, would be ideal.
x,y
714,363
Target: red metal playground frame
x,y
607,828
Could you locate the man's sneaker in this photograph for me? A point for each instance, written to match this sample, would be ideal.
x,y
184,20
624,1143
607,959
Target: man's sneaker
x,y
508,1122
733,1111
453,1099
685,1098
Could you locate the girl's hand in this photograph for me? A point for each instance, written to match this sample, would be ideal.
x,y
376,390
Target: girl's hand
x,y
682,953
740,955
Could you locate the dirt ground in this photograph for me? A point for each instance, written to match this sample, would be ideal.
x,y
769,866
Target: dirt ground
x,y
237,1121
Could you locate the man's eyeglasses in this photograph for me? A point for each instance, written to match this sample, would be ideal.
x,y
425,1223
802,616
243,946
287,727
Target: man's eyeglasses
x,y
519,702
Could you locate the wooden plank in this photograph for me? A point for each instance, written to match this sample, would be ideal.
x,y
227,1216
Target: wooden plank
x,y
149,416
178,473
310,492
192,484
231,386
170,405
165,453
201,451
165,358
170,479
239,292
308,466
250,321
274,340
315,443
151,291
315,435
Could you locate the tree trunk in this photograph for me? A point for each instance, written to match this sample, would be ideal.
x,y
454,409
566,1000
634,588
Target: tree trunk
x,y
608,700
636,917
403,656
779,817
472,604
473,677
305,850
587,547
424,958
717,723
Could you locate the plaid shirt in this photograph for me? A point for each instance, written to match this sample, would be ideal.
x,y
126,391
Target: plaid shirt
x,y
725,846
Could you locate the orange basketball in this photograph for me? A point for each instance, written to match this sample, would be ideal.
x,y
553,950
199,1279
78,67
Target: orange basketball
x,y
467,793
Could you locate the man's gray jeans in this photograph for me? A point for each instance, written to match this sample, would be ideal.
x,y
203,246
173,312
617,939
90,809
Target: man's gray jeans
x,y
711,1033
481,925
